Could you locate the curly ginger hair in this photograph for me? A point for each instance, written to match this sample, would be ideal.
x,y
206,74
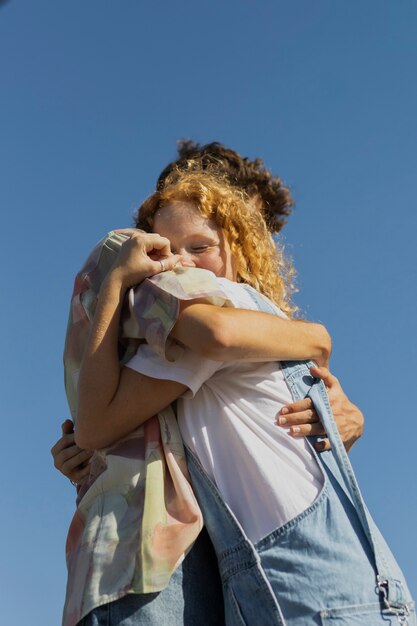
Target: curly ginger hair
x,y
259,261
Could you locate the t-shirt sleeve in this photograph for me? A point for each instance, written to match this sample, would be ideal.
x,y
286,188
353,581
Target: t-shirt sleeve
x,y
190,369
153,307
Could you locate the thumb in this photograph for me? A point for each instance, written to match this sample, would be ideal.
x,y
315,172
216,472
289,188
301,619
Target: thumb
x,y
67,427
324,375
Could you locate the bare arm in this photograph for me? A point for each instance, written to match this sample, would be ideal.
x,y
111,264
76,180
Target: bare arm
x,y
233,334
227,334
113,400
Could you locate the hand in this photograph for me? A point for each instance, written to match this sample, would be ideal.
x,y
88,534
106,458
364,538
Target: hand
x,y
303,421
141,256
69,459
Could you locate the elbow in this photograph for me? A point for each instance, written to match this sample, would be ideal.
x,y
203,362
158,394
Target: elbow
x,y
84,438
97,431
220,337
324,348
91,441
205,329
89,435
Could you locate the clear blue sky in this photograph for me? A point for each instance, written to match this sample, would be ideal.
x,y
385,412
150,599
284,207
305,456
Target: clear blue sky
x,y
93,97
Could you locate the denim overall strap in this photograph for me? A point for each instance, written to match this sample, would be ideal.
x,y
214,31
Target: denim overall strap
x,y
391,589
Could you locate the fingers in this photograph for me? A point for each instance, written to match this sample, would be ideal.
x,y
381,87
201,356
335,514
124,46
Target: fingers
x,y
147,239
73,462
306,430
150,241
300,418
69,459
142,256
156,242
78,475
322,445
76,460
64,442
72,456
288,410
67,427
307,416
168,263
301,412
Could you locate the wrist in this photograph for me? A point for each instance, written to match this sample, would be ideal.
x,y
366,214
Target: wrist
x,y
114,283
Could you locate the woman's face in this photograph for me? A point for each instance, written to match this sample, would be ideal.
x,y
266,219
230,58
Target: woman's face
x,y
199,240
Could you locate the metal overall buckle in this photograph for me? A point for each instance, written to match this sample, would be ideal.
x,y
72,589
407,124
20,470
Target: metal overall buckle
x,y
400,609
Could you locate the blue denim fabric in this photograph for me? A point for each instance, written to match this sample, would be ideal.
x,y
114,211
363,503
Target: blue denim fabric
x,y
318,569
192,598
329,566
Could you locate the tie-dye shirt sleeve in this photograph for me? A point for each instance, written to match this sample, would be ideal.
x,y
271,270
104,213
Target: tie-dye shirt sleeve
x,y
152,308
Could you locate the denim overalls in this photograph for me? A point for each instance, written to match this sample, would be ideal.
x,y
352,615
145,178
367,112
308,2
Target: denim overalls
x,y
329,566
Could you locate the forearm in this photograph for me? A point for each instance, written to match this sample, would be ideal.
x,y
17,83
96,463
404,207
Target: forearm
x,y
227,334
100,370
113,400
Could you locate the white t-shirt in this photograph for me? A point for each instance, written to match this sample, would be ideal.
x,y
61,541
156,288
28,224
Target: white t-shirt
x,y
227,418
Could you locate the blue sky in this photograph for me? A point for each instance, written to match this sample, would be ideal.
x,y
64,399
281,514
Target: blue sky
x,y
94,96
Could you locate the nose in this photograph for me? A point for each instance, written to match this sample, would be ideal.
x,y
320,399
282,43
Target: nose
x,y
187,258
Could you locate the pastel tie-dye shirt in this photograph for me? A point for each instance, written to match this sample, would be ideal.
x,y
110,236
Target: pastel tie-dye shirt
x,y
136,514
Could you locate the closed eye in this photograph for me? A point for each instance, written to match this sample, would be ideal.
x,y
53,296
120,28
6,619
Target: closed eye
x,y
198,249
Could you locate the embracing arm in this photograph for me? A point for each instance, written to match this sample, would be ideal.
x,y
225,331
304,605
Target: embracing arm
x,y
233,334
114,400
227,334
